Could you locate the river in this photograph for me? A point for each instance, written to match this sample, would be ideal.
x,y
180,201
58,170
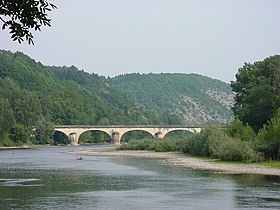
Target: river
x,y
49,178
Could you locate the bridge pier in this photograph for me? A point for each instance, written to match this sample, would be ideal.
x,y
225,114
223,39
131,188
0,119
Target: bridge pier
x,y
74,138
116,138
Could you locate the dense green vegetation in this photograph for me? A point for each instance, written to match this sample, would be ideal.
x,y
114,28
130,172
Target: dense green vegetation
x,y
211,142
187,98
257,89
253,136
33,96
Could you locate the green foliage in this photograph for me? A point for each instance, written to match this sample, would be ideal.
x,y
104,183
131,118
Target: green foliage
x,y
243,132
44,132
60,138
136,135
22,16
256,103
157,145
95,137
6,117
228,148
143,144
257,92
86,137
6,142
185,93
269,138
26,107
211,142
66,94
30,92
19,134
199,143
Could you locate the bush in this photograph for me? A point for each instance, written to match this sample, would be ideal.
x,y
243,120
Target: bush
x,y
211,142
19,134
143,144
198,144
227,148
44,132
158,145
269,138
165,145
6,142
243,132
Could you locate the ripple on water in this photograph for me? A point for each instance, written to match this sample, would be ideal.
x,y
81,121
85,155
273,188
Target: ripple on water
x,y
20,182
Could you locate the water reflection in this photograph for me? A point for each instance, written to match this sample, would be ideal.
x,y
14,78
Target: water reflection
x,y
47,178
257,191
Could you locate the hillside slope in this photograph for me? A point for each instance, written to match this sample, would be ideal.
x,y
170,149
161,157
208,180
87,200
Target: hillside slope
x,y
193,98
67,95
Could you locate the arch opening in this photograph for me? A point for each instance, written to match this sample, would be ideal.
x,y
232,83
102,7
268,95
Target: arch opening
x,y
135,135
177,133
94,137
60,138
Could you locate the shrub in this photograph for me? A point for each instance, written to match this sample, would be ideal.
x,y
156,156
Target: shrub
x,y
243,132
227,148
269,138
198,144
158,145
19,134
165,145
143,144
6,142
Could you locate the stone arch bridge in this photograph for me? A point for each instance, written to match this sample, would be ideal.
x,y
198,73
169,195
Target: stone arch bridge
x,y
117,131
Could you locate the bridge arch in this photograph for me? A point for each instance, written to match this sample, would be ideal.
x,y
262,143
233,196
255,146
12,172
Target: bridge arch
x,y
192,130
61,138
94,136
138,132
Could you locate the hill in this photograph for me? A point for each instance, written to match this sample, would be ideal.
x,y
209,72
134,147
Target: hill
x,y
65,95
190,98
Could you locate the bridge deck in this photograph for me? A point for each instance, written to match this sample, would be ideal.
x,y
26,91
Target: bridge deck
x,y
128,126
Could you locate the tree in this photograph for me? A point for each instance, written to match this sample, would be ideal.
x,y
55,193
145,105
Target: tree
x,y
243,132
257,89
18,133
44,132
26,107
269,138
6,117
22,16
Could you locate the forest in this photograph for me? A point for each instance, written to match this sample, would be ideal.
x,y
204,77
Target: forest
x,y
191,98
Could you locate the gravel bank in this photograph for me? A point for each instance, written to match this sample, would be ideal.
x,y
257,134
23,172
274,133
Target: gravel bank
x,y
187,161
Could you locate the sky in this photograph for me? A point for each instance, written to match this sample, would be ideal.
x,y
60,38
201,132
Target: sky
x,y
112,37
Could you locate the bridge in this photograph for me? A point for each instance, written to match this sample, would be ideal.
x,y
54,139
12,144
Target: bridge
x,y
117,131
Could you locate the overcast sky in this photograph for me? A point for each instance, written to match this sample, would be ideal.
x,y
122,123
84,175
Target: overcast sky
x,y
112,37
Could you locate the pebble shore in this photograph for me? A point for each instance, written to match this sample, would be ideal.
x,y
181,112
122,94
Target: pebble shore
x,y
188,161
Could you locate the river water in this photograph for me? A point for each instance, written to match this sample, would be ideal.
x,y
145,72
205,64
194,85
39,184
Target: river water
x,y
49,178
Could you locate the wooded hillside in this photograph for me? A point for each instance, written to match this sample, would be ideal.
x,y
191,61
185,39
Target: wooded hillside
x,y
190,98
37,97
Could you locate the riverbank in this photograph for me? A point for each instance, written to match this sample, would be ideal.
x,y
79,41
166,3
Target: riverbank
x,y
188,161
